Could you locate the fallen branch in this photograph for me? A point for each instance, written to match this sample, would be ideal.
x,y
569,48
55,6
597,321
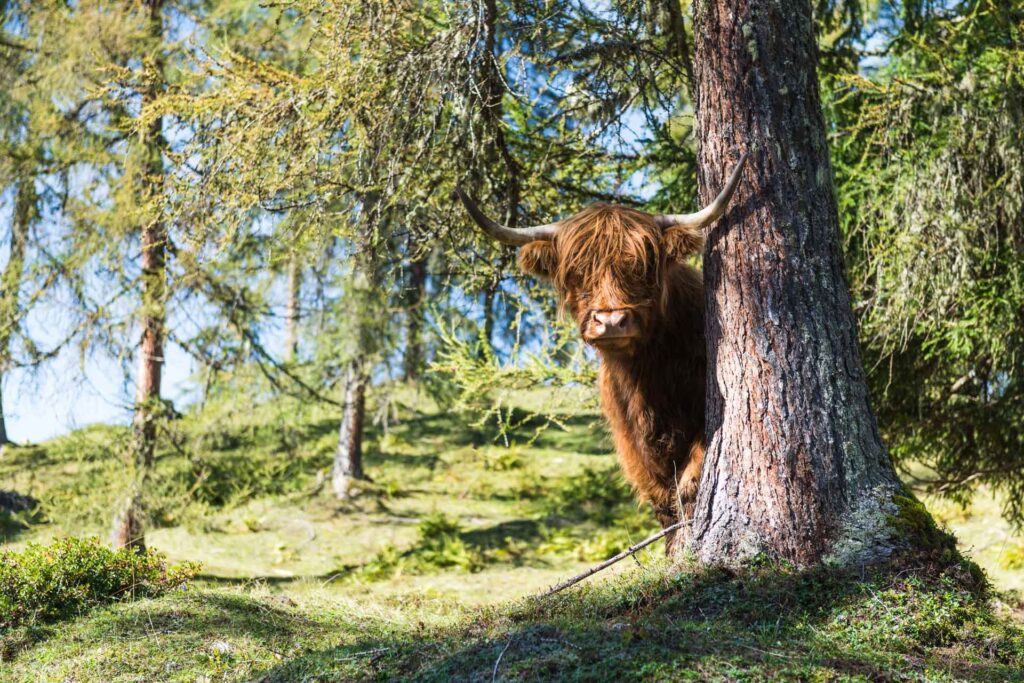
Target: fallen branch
x,y
611,560
494,674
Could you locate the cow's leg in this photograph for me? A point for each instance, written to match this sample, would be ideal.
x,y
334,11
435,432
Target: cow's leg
x,y
684,499
667,515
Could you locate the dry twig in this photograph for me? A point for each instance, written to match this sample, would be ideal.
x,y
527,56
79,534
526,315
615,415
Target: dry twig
x,y
611,560
497,662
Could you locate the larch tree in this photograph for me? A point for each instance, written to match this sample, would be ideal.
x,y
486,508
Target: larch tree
x,y
33,175
148,185
109,243
364,315
796,469
23,213
17,177
923,143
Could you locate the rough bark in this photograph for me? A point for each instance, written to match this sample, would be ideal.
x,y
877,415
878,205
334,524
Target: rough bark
x,y
348,458
795,466
128,527
10,282
292,310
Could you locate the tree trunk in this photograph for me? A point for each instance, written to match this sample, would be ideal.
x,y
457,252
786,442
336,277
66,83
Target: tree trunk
x,y
128,525
10,281
4,440
415,288
348,459
795,466
292,312
365,314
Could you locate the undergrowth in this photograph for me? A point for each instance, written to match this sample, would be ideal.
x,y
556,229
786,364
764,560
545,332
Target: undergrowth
x,y
44,583
299,586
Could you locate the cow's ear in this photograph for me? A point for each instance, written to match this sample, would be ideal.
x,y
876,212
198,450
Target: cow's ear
x,y
538,258
681,243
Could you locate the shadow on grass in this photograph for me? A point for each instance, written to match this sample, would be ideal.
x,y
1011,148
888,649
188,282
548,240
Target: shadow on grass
x,y
208,613
584,434
270,580
195,615
705,625
499,535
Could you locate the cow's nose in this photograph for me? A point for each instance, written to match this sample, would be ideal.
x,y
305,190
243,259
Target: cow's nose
x,y
611,322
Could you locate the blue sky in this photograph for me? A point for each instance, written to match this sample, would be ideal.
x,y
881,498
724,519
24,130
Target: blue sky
x,y
62,395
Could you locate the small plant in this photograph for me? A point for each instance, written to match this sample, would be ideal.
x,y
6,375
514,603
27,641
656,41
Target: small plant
x,y
49,582
504,460
435,526
385,564
441,545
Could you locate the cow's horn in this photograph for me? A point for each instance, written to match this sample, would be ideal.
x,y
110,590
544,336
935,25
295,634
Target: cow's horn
x,y
504,234
709,213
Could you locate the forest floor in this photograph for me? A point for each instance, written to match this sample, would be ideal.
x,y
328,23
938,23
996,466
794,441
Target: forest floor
x,y
428,573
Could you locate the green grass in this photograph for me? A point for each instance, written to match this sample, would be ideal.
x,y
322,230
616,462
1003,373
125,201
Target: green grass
x,y
646,624
423,576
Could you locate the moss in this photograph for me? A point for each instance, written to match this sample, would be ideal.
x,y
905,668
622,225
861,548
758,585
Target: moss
x,y
915,524
748,35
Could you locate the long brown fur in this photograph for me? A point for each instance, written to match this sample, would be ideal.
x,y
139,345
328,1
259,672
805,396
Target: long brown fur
x,y
611,257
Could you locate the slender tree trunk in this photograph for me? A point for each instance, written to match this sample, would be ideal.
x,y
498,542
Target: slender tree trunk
x,y
292,312
795,465
489,295
348,458
675,28
10,282
4,440
415,288
128,528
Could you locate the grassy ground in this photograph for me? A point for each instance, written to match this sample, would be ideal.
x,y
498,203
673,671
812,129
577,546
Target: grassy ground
x,y
423,575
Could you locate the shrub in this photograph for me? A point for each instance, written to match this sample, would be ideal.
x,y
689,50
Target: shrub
x,y
49,582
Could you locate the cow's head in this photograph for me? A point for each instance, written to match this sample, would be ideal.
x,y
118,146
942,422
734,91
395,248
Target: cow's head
x,y
609,262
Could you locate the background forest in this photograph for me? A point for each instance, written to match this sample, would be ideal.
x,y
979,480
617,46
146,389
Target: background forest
x,y
385,423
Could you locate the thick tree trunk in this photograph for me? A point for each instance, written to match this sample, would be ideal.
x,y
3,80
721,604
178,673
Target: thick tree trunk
x,y
348,458
128,527
415,288
795,467
292,311
10,281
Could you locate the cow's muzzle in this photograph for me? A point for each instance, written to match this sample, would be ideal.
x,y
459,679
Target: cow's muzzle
x,y
611,327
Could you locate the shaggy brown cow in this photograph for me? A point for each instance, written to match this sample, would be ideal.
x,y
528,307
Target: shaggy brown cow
x,y
624,275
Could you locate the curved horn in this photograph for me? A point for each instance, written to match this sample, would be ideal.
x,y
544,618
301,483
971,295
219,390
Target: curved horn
x,y
709,213
515,236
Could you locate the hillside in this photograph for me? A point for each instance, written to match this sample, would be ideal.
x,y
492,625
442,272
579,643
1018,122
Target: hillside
x,y
425,574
